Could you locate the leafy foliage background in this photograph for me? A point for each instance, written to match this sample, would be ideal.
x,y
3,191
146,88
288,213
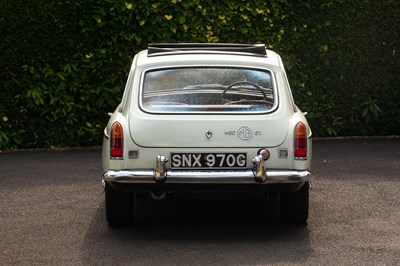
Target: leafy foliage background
x,y
63,64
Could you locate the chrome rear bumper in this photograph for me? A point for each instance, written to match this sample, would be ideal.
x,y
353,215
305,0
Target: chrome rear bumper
x,y
161,174
206,177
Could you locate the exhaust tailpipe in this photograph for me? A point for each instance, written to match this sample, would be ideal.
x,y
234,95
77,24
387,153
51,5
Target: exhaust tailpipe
x,y
157,195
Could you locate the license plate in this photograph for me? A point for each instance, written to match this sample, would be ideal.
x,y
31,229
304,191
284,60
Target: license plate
x,y
208,160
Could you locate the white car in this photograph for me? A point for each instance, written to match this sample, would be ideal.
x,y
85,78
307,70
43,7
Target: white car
x,y
206,118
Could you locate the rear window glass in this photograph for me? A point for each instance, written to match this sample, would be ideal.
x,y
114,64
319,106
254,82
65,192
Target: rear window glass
x,y
199,89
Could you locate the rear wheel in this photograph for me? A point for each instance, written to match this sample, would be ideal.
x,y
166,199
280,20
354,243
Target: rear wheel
x,y
119,206
294,205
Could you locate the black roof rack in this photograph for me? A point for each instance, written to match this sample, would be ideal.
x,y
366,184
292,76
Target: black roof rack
x,y
157,49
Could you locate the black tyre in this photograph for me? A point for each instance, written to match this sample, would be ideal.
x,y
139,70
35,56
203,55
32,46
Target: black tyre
x,y
294,205
119,206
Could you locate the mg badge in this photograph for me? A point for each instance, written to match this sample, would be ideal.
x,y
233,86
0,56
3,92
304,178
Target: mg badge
x,y
245,133
209,134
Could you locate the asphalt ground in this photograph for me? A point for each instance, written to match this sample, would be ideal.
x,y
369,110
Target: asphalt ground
x,y
52,213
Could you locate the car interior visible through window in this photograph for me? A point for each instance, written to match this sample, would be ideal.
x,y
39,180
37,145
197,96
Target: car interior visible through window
x,y
200,89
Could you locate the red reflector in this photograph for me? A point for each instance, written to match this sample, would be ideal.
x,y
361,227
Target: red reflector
x,y
116,141
300,141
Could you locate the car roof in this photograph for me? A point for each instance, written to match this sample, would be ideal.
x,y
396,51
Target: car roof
x,y
214,53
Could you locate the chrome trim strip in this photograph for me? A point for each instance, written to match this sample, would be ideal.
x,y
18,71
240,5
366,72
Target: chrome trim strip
x,y
105,134
207,177
300,158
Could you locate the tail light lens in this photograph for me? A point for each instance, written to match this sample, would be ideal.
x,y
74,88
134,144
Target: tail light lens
x,y
116,141
300,141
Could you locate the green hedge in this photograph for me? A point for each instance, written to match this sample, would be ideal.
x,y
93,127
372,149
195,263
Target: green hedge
x,y
64,64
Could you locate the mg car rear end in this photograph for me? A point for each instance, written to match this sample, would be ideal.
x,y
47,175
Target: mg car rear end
x,y
207,117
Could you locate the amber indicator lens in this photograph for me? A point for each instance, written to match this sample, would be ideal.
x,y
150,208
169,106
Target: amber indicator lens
x,y
116,141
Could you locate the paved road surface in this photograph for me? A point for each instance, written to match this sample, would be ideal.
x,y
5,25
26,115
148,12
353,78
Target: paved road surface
x,y
52,213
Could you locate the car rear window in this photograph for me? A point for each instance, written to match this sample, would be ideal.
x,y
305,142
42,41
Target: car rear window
x,y
208,89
